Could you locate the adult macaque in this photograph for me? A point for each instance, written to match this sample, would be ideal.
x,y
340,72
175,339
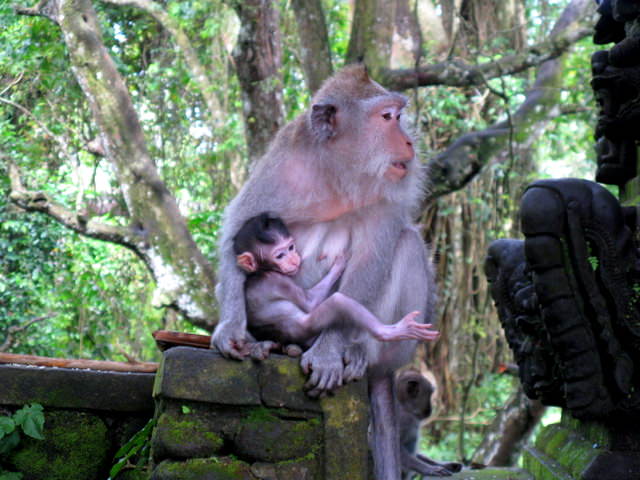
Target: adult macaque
x,y
344,178
413,394
279,309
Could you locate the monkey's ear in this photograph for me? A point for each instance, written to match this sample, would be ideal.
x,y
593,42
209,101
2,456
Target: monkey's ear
x,y
323,120
247,262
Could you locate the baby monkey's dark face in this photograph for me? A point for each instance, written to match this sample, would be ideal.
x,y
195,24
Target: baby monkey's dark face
x,y
282,256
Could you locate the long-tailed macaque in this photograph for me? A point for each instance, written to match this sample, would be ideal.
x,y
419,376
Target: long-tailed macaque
x,y
280,310
413,394
345,179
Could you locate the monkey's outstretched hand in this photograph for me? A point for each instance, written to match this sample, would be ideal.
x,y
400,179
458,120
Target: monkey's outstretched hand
x,y
229,341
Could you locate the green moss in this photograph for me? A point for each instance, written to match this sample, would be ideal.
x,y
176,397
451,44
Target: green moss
x,y
264,436
220,468
76,446
186,436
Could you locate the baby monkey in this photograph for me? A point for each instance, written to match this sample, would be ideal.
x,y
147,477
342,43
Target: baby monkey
x,y
280,310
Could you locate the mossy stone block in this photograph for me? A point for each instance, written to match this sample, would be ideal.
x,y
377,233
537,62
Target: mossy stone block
x,y
76,447
218,468
542,467
73,388
282,384
488,474
202,375
266,437
346,419
184,436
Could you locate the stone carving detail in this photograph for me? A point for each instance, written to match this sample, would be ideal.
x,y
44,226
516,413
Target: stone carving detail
x,y
568,296
616,85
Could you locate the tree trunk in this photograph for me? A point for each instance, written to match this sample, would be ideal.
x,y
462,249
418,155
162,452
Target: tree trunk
x,y
509,431
158,232
314,40
464,158
372,34
258,60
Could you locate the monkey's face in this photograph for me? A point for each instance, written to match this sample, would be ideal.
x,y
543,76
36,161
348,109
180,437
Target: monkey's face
x,y
283,256
390,144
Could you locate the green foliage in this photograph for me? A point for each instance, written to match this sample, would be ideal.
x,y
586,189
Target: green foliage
x,y
30,420
486,399
138,447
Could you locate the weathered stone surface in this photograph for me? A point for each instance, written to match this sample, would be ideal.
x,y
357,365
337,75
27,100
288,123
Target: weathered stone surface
x,y
302,469
585,450
282,384
263,436
488,474
258,413
345,432
72,388
219,468
185,436
76,447
198,374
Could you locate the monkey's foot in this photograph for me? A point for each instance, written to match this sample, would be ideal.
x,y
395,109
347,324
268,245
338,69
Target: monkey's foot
x,y
427,467
453,467
355,362
408,329
292,350
324,366
230,342
260,350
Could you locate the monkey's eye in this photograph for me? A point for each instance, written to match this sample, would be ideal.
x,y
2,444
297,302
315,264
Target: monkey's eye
x,y
398,117
280,256
387,116
291,247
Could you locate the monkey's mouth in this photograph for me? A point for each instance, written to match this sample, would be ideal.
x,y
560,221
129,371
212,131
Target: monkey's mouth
x,y
397,170
402,166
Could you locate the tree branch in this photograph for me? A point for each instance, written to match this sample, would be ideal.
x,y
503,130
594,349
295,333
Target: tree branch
x,y
42,203
184,277
452,169
457,73
45,8
11,331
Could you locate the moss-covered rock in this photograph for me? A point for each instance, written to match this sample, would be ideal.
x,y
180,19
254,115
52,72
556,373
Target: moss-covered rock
x,y
184,436
224,468
489,474
76,447
265,437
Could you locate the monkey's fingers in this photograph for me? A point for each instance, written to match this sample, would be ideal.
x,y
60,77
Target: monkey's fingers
x,y
236,350
292,350
355,363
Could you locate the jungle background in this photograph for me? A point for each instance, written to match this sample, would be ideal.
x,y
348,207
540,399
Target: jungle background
x,y
127,125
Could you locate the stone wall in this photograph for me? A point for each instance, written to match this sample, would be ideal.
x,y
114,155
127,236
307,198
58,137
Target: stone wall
x,y
216,419
221,419
88,416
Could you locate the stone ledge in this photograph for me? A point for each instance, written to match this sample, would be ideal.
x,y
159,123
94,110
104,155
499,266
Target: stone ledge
x,y
212,410
74,388
488,474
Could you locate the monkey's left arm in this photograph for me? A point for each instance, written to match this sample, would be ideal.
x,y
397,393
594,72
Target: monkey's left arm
x,y
319,292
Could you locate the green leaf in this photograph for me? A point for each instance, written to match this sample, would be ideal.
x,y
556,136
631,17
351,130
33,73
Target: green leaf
x,y
9,443
10,476
31,419
7,425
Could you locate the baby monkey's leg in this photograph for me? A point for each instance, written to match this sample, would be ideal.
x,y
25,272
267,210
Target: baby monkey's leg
x,y
339,307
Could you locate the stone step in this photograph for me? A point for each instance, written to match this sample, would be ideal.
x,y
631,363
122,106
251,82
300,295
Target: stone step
x,y
489,474
543,466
